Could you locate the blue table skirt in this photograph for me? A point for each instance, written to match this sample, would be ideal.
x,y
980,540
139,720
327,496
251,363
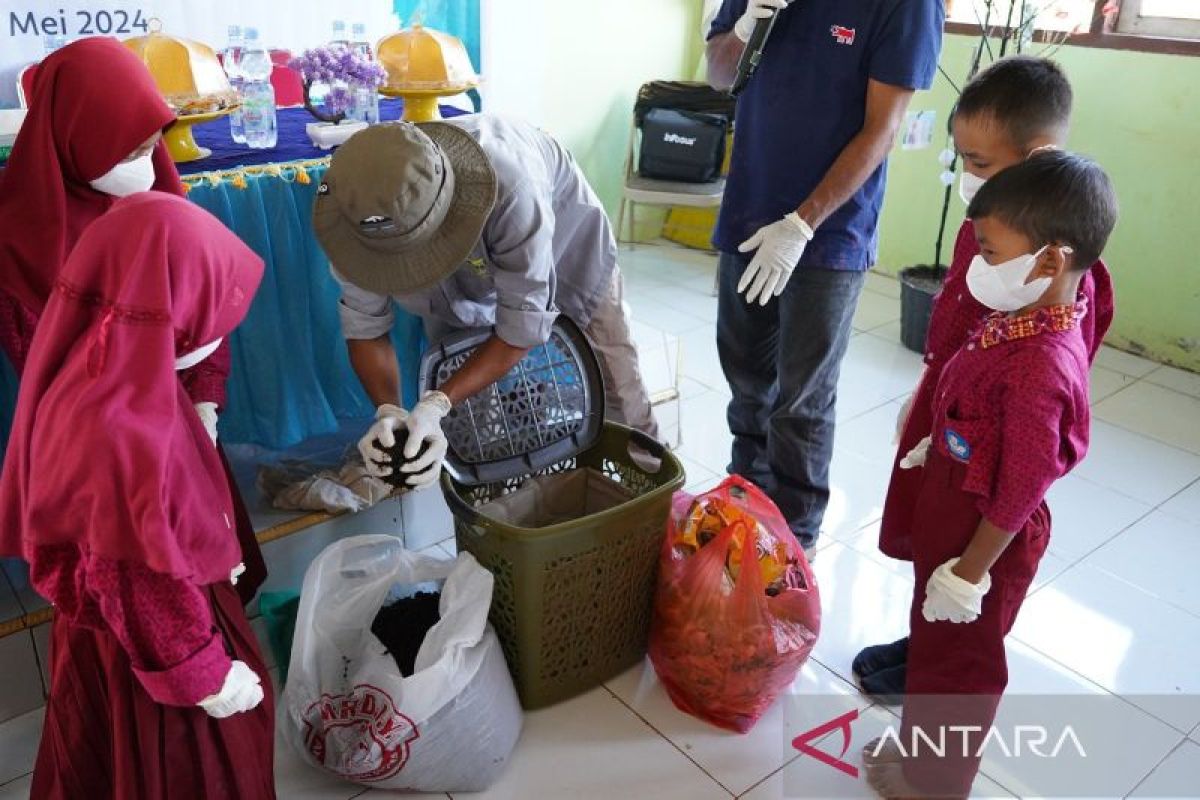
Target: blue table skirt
x,y
291,377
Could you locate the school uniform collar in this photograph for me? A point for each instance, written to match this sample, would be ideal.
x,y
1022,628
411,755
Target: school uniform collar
x,y
999,327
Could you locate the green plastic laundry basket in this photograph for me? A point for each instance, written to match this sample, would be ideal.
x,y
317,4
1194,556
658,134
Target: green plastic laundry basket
x,y
572,601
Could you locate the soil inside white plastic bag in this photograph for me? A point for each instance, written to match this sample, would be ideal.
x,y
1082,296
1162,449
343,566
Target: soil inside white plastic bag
x,y
546,500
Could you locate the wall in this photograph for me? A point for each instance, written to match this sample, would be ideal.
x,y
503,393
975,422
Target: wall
x,y
1136,114
574,67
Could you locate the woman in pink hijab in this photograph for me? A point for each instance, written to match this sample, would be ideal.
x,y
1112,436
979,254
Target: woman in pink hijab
x,y
91,136
114,493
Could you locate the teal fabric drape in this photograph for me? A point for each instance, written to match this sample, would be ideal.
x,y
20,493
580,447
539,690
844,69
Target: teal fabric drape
x,y
457,17
8,399
291,376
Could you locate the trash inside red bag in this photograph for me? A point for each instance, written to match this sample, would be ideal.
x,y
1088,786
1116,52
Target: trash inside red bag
x,y
737,610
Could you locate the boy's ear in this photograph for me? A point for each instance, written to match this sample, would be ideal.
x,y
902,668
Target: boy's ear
x,y
1054,261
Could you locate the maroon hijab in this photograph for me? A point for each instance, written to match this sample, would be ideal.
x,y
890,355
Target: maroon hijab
x,y
93,104
107,452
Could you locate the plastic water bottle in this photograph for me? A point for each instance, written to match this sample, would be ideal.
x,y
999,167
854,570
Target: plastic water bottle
x,y
232,60
258,111
364,104
339,34
360,44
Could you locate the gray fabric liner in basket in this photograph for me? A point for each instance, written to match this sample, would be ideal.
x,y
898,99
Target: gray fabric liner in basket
x,y
548,408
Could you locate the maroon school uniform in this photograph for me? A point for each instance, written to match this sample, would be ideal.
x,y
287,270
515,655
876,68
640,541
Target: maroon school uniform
x,y
113,492
955,314
1011,417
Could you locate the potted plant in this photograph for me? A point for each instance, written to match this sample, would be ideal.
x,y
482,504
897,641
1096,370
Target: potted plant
x,y
921,282
353,80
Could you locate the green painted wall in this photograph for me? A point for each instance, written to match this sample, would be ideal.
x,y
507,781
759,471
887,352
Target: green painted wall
x,y
1136,113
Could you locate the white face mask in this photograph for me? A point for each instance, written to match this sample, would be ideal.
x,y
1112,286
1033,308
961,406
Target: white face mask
x,y
1002,287
126,178
969,186
189,360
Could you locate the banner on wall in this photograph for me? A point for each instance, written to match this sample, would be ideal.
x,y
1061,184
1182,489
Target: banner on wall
x,y
26,25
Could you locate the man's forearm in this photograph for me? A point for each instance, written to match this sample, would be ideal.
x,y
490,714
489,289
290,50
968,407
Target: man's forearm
x,y
374,362
723,53
488,364
857,162
860,158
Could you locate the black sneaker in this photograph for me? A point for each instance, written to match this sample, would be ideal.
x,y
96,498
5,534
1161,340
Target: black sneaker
x,y
886,686
880,657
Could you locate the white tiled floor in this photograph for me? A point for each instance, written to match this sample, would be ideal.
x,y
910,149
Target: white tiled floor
x,y
1115,608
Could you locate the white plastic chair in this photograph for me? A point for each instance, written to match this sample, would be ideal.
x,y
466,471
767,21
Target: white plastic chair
x,y
25,83
649,191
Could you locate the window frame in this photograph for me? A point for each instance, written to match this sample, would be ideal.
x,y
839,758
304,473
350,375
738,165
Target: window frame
x,y
1104,33
1130,21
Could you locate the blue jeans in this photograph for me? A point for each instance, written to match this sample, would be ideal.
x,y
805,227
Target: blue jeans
x,y
782,363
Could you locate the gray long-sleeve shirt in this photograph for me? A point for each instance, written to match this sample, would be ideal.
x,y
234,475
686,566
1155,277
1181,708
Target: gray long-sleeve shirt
x,y
547,247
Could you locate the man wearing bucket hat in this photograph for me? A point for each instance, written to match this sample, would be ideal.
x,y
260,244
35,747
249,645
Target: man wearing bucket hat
x,y
477,222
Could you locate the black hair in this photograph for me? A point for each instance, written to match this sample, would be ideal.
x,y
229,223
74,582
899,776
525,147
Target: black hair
x,y
1025,96
1053,197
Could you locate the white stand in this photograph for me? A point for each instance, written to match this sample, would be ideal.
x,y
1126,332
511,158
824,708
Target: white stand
x,y
327,135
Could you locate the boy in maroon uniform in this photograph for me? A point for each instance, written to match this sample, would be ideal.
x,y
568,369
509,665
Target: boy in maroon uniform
x,y
1017,106
1010,417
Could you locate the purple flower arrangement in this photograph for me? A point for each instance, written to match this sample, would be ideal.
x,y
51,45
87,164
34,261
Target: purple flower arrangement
x,y
340,68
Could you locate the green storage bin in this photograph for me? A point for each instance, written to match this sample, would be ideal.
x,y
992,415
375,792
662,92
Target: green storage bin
x,y
572,602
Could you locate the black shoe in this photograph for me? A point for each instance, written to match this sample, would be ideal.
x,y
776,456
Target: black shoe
x,y
880,657
886,686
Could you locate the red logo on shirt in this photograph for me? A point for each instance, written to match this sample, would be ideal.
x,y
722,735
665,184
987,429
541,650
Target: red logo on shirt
x,y
842,35
360,735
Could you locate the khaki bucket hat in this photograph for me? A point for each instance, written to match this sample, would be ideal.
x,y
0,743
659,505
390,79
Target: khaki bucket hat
x,y
402,205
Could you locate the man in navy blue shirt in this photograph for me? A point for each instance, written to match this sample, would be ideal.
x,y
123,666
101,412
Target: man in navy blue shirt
x,y
798,226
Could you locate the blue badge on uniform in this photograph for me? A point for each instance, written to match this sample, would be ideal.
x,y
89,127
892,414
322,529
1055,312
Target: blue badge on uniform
x,y
958,446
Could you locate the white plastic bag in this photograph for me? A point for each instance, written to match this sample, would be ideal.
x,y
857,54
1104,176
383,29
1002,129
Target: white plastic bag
x,y
451,726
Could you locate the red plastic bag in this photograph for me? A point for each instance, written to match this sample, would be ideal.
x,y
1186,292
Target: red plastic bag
x,y
722,646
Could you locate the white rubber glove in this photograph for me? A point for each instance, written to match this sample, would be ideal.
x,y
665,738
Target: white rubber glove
x,y
208,415
949,598
241,691
918,455
388,419
236,573
756,10
425,425
779,247
902,419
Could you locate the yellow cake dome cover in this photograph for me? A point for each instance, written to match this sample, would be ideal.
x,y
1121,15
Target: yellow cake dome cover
x,y
188,73
423,59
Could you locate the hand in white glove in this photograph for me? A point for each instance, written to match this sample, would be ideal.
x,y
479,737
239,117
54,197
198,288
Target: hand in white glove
x,y
918,455
241,691
388,419
756,10
779,247
425,426
950,598
208,415
902,419
236,573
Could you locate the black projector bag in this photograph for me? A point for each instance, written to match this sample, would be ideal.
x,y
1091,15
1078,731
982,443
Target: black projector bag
x,y
684,146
